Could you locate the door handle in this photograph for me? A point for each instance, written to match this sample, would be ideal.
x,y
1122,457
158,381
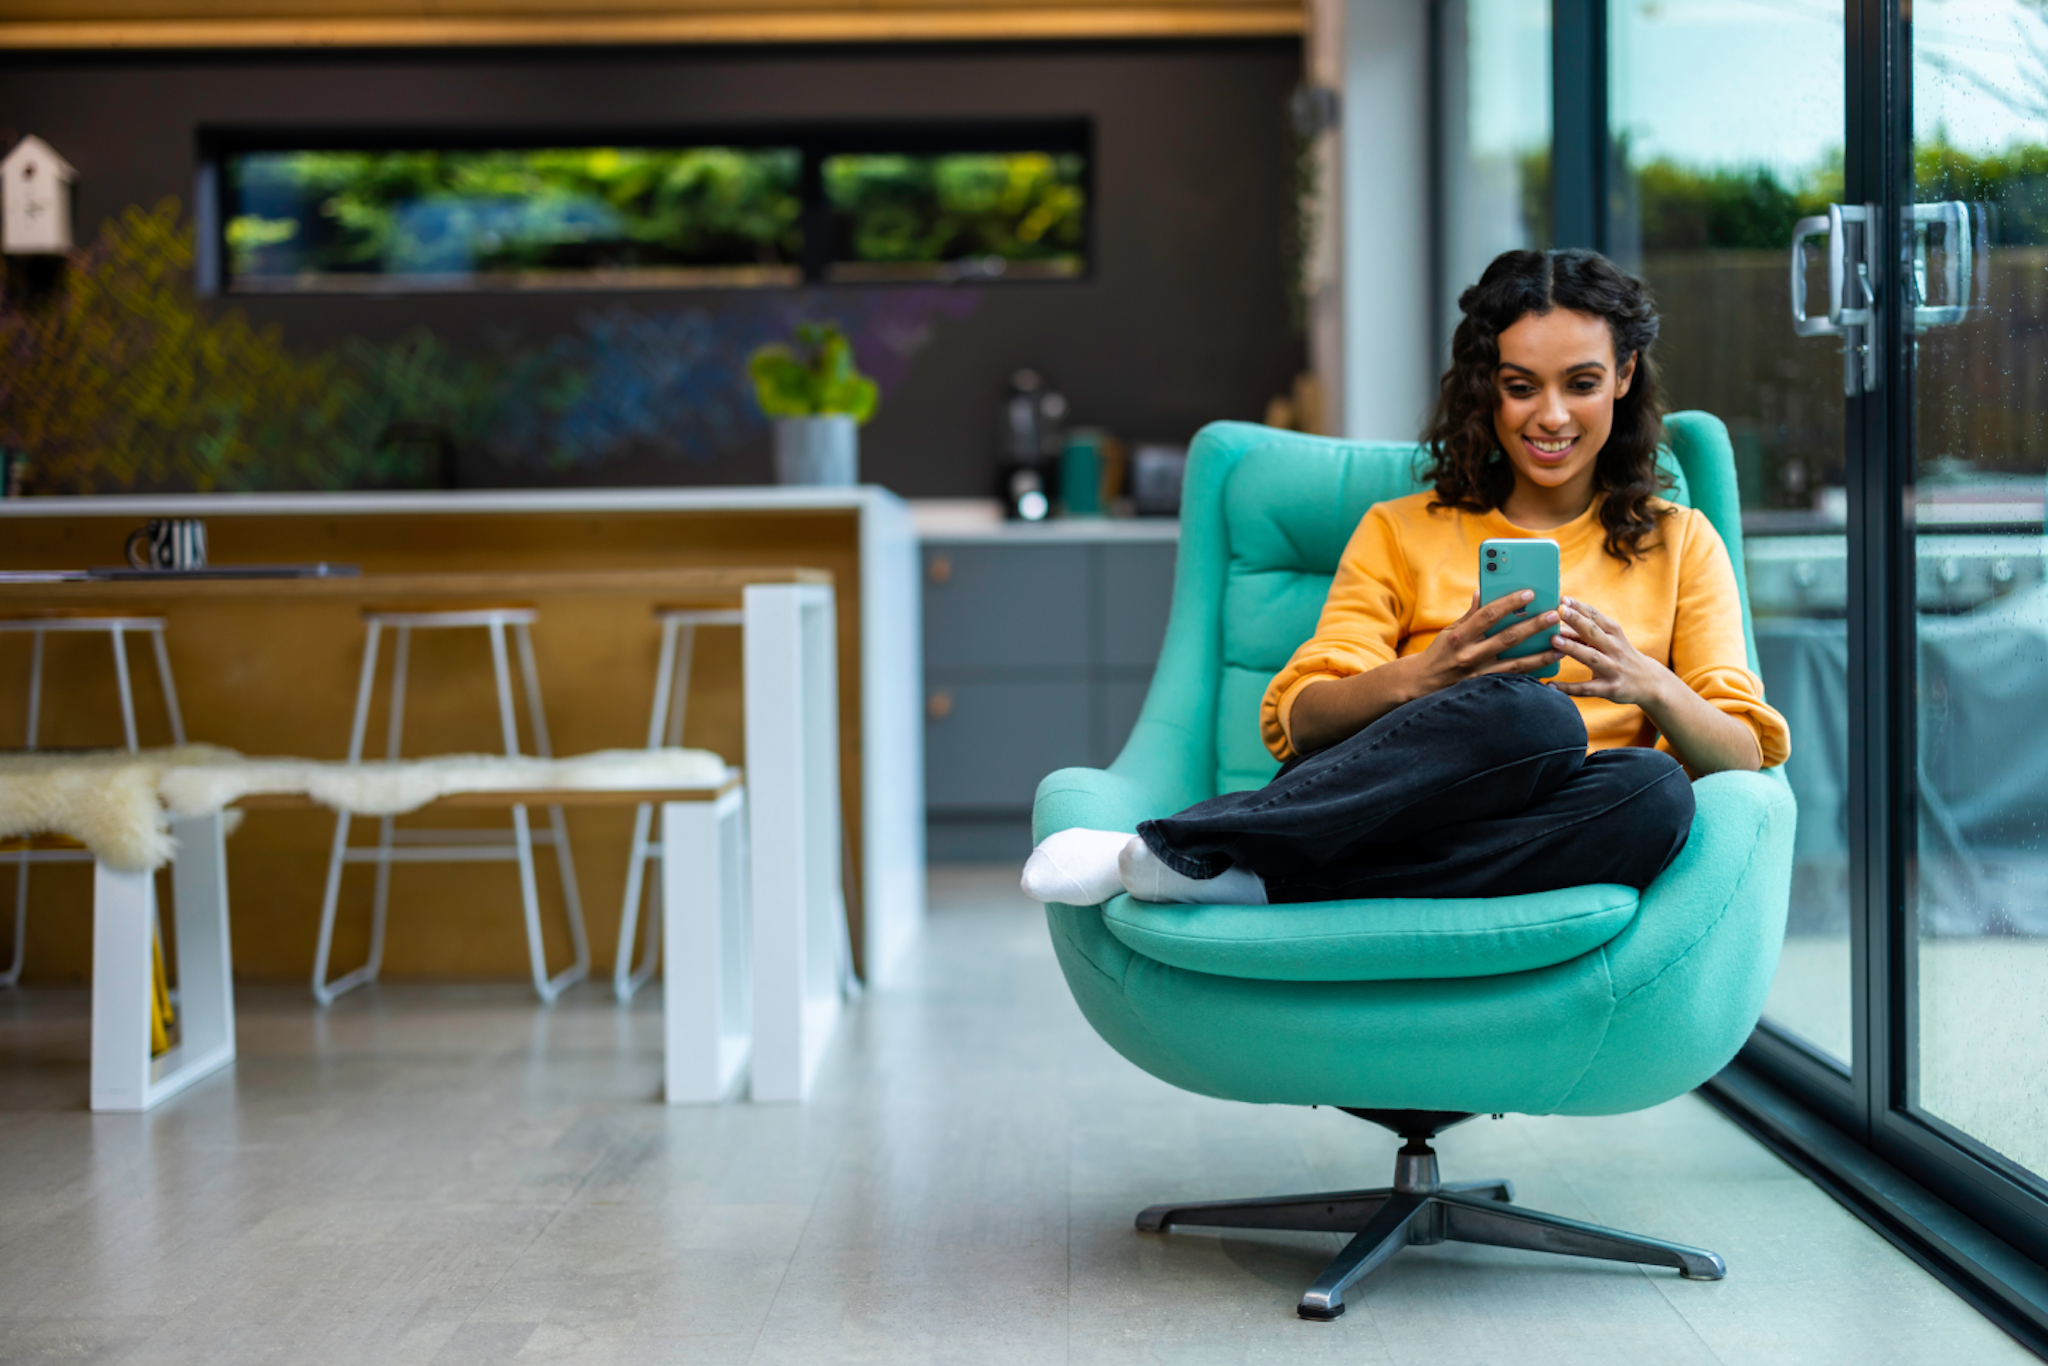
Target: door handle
x,y
1802,324
1854,259
1966,242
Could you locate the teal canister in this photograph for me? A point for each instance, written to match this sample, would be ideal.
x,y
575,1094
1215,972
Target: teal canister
x,y
1081,473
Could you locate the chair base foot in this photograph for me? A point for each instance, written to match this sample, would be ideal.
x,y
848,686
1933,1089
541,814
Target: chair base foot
x,y
1419,1210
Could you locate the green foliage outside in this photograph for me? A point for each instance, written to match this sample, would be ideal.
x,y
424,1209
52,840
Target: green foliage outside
x,y
2015,181
1018,206
817,379
1686,209
1689,208
410,212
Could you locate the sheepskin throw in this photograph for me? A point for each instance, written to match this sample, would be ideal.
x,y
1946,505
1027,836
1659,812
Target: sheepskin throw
x,y
117,804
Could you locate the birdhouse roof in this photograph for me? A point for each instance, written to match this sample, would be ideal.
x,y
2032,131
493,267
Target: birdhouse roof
x,y
33,148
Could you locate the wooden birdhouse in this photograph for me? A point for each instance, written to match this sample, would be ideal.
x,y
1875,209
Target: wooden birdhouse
x,y
35,200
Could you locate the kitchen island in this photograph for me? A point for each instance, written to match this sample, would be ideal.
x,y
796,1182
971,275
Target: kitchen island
x,y
259,674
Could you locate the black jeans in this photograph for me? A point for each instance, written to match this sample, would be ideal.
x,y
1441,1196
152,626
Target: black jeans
x,y
1482,789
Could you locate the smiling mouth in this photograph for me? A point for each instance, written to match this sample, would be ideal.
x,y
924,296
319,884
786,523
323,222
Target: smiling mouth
x,y
1554,447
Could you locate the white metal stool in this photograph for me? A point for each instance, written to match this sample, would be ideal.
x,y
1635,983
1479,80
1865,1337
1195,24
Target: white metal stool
x,y
453,846
117,630
664,727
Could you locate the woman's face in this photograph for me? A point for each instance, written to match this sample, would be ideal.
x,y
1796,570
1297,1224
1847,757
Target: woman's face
x,y
1557,383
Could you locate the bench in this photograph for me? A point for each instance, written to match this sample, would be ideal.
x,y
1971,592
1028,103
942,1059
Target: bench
x,y
707,929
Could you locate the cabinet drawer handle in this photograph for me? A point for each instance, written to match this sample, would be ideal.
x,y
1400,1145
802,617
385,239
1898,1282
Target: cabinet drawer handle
x,y
940,567
939,706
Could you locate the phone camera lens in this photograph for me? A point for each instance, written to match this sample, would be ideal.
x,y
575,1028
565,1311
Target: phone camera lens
x,y
1491,553
1491,568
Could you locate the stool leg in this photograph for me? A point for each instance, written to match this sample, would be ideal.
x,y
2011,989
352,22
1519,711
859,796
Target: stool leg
x,y
12,977
529,895
625,981
380,902
35,687
686,651
572,898
127,693
558,822
163,678
120,638
565,863
324,991
522,830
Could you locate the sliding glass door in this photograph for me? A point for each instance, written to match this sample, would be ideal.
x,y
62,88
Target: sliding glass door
x,y
1912,1001
1973,244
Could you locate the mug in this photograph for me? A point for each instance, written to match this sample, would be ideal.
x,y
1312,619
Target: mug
x,y
168,543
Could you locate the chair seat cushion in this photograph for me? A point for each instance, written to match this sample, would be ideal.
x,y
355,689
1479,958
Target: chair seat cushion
x,y
1376,941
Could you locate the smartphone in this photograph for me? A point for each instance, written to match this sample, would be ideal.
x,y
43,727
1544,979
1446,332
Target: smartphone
x,y
1509,567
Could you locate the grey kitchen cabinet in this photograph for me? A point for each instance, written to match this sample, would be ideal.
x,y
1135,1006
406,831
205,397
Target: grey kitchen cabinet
x,y
989,740
1007,607
1039,644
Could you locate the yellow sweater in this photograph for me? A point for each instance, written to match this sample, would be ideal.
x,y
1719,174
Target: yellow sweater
x,y
1409,572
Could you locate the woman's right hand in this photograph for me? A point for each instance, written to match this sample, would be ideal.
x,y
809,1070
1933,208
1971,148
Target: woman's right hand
x,y
1336,709
1463,650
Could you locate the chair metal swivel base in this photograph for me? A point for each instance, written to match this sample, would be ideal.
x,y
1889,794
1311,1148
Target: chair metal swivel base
x,y
1418,1210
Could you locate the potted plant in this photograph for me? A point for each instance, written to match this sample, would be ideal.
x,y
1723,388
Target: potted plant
x,y
817,400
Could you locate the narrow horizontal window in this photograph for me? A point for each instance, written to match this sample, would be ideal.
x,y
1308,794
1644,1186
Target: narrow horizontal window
x,y
765,208
544,218
957,215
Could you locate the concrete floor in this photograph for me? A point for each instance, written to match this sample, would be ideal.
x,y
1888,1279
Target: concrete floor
x,y
450,1174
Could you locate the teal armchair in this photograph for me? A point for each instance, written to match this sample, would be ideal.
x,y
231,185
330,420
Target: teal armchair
x,y
1416,1013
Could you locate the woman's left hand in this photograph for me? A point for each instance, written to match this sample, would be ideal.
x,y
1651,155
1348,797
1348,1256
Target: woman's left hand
x,y
1621,672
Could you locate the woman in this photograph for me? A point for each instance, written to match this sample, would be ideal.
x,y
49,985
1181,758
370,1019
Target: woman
x,y
1415,760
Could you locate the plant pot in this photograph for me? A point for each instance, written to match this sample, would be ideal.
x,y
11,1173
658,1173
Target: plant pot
x,y
817,450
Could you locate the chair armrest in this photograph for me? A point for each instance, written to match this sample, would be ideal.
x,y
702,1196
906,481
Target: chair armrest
x,y
1093,799
1690,973
1741,834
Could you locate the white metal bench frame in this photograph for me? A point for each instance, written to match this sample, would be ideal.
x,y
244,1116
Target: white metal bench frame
x,y
800,935
124,1076
707,1024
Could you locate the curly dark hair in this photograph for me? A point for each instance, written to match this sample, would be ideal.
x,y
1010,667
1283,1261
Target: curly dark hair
x,y
1466,463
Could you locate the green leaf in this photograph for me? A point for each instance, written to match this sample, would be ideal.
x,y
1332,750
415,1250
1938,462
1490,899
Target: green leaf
x,y
823,379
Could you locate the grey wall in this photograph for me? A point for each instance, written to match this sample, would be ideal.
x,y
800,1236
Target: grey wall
x,y
1183,320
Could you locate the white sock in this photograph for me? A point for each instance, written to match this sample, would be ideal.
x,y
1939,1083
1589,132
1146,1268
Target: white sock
x,y
1147,879
1075,867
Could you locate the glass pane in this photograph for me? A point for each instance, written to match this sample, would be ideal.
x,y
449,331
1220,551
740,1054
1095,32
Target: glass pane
x,y
958,215
1978,888
1710,173
536,218
1494,112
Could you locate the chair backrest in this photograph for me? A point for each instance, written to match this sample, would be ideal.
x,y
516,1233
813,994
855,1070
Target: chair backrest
x,y
1264,520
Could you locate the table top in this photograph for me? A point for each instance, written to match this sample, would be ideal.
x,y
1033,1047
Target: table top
x,y
723,582
436,502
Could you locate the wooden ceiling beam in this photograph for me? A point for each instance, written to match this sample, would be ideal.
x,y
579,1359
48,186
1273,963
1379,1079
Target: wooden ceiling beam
x,y
969,23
